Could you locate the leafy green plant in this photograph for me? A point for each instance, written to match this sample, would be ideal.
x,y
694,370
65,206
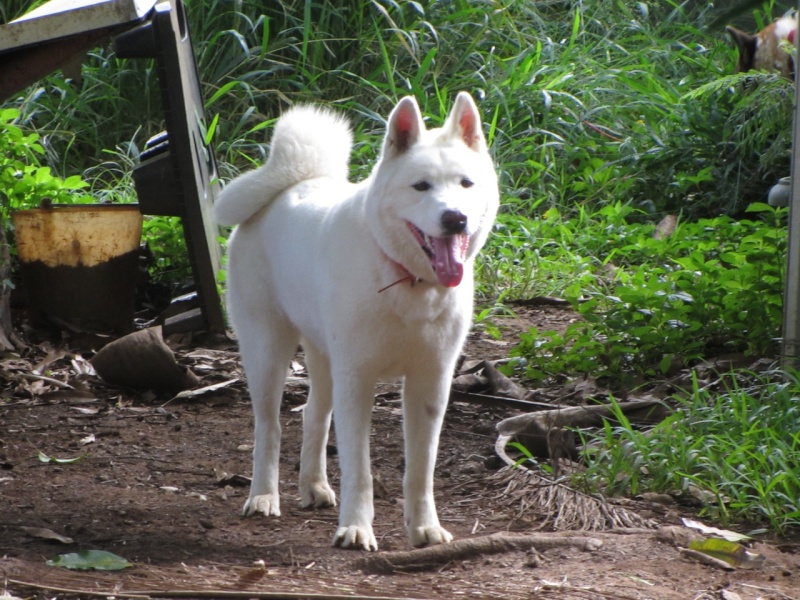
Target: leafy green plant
x,y
166,242
651,305
24,182
736,450
529,460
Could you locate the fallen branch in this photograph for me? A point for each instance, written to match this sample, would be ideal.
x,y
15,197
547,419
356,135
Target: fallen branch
x,y
493,401
429,558
549,434
578,417
44,378
768,589
217,593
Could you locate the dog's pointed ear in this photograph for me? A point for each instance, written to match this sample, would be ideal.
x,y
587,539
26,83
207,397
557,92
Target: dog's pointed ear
x,y
464,122
746,44
404,127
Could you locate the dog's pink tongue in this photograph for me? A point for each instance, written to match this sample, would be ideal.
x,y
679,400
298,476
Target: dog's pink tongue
x,y
448,262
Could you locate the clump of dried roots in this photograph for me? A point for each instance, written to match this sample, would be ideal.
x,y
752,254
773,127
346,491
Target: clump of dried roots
x,y
530,496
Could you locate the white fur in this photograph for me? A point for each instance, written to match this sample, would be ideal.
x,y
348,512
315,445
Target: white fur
x,y
296,156
784,27
307,264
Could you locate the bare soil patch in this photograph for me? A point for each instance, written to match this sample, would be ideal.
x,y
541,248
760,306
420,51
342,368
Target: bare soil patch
x,y
160,482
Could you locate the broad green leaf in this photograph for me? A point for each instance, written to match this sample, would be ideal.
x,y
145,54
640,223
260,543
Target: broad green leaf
x,y
756,207
98,560
74,182
732,553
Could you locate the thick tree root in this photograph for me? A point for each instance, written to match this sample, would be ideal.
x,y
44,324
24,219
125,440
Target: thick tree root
x,y
431,557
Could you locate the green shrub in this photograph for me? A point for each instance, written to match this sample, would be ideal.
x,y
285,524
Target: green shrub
x,y
649,305
24,182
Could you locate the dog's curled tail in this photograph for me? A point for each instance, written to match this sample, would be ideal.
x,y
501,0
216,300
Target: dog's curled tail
x,y
308,142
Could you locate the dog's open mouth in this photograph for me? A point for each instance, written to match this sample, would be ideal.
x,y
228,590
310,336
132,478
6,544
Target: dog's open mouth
x,y
447,254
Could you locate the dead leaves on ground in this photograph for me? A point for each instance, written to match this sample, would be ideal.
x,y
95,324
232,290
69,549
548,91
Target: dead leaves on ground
x,y
141,365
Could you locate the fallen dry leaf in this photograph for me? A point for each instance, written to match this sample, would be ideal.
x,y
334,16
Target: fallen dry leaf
x,y
47,534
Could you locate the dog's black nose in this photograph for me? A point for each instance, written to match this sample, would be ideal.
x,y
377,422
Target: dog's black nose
x,y
453,222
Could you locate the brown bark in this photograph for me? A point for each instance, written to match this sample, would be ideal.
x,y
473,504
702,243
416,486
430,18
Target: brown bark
x,y
432,557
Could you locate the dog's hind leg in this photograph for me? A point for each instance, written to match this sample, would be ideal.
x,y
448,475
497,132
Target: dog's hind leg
x,y
314,488
424,403
352,413
266,353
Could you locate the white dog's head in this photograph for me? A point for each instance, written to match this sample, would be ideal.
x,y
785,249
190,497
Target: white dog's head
x,y
433,193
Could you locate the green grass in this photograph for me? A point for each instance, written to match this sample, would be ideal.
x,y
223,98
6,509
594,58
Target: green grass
x,y
584,104
736,449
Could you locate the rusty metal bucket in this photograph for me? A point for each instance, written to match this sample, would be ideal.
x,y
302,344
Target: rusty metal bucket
x,y
79,264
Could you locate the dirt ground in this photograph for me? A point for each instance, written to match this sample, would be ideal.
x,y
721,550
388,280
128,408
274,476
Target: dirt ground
x,y
161,482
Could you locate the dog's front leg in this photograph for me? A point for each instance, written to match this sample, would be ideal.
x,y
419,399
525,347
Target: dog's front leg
x,y
352,415
424,403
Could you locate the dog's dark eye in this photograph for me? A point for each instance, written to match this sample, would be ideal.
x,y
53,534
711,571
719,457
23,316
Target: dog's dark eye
x,y
422,186
467,183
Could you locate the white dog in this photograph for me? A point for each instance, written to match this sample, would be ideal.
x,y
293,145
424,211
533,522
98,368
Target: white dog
x,y
374,279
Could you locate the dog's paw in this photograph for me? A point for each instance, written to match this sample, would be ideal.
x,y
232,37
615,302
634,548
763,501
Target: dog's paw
x,y
428,536
267,504
317,495
357,538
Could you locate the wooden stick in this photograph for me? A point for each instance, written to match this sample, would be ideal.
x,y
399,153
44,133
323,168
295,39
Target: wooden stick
x,y
432,556
197,593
